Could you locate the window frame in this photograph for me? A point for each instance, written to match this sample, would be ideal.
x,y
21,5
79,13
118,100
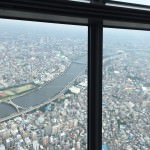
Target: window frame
x,y
95,15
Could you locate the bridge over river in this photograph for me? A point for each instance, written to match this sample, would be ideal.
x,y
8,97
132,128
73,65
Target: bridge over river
x,y
42,95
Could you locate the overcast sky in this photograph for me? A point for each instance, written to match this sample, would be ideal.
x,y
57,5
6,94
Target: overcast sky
x,y
28,24
145,2
41,26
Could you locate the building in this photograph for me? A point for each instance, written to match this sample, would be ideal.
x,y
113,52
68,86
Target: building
x,y
36,145
104,147
2,147
95,15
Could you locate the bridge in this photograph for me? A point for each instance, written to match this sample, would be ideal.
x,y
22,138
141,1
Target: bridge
x,y
26,110
17,107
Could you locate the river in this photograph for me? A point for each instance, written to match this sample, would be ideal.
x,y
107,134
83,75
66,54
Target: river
x,y
49,90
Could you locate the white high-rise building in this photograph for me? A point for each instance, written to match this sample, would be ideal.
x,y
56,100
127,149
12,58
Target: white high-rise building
x,y
35,145
78,145
2,147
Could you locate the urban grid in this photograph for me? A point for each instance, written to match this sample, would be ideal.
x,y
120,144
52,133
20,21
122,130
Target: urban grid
x,y
126,89
28,61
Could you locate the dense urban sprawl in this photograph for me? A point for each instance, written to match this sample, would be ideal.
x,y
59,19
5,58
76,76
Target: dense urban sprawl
x,y
126,87
61,124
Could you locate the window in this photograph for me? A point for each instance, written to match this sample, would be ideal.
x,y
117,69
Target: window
x,y
126,89
94,16
43,85
144,2
135,4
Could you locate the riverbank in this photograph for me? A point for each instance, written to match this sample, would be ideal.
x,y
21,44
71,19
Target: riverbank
x,y
49,90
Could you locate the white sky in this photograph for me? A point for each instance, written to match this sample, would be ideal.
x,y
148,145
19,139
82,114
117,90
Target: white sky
x,y
28,24
145,2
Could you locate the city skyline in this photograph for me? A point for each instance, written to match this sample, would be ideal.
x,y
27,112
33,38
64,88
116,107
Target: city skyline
x,y
43,86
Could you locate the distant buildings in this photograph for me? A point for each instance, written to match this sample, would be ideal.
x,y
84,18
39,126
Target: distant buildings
x,y
63,127
126,102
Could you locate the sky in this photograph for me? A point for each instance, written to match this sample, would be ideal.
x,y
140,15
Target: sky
x,y
126,38
145,2
11,22
43,27
126,33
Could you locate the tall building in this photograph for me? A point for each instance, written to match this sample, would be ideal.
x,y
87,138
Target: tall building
x,y
34,136
2,147
7,143
78,145
35,145
45,140
48,129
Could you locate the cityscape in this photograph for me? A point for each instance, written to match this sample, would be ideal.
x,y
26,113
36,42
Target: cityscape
x,y
126,89
43,86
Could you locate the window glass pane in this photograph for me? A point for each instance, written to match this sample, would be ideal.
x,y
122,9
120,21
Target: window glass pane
x,y
145,2
126,89
143,5
43,86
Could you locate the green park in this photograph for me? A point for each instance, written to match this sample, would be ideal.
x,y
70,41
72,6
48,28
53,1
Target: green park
x,y
12,92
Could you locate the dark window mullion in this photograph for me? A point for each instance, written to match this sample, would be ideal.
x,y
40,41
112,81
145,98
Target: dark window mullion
x,y
98,1
95,33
